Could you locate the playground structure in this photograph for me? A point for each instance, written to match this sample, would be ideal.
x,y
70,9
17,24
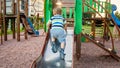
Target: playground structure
x,y
95,8
107,34
12,12
103,7
13,15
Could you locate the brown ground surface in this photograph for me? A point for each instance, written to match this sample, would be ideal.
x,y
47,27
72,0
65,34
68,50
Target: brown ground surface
x,y
94,57
21,54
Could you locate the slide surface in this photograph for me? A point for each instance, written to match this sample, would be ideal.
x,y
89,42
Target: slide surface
x,y
52,60
31,26
115,19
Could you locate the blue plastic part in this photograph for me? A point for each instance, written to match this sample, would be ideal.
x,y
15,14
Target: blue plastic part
x,y
37,33
113,15
31,26
114,7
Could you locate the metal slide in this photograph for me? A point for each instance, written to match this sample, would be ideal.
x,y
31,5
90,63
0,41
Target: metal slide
x,y
29,23
31,26
115,18
52,60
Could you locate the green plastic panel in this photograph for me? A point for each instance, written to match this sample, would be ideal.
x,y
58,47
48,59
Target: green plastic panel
x,y
99,6
47,12
71,12
85,8
102,5
64,13
78,17
91,1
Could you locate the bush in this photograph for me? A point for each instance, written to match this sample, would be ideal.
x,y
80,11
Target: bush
x,y
117,14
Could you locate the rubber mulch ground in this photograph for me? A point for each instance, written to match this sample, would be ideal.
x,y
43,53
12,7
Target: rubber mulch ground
x,y
94,57
21,54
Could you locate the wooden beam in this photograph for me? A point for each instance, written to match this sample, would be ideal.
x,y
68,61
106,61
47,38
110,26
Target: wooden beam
x,y
18,20
4,23
68,3
26,13
1,21
0,6
13,27
95,18
78,46
101,45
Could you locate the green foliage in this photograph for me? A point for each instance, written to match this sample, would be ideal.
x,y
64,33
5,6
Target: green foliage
x,y
87,29
117,14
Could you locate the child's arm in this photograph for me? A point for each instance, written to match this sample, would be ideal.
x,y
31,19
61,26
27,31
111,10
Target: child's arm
x,y
48,25
65,26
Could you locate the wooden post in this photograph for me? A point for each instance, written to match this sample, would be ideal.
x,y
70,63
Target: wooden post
x,y
93,27
15,7
54,3
26,13
1,21
78,46
78,26
13,27
13,20
77,49
5,28
18,20
4,19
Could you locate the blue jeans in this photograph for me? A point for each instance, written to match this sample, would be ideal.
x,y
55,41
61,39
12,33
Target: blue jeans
x,y
58,33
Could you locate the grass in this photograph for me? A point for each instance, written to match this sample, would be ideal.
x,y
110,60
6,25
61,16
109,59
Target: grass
x,y
9,31
87,29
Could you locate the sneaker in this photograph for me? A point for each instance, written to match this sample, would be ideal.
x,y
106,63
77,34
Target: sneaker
x,y
54,49
62,54
57,43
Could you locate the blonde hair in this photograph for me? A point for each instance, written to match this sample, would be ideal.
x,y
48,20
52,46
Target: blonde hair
x,y
57,11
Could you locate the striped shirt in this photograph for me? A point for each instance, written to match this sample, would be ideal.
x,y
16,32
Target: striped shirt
x,y
57,21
